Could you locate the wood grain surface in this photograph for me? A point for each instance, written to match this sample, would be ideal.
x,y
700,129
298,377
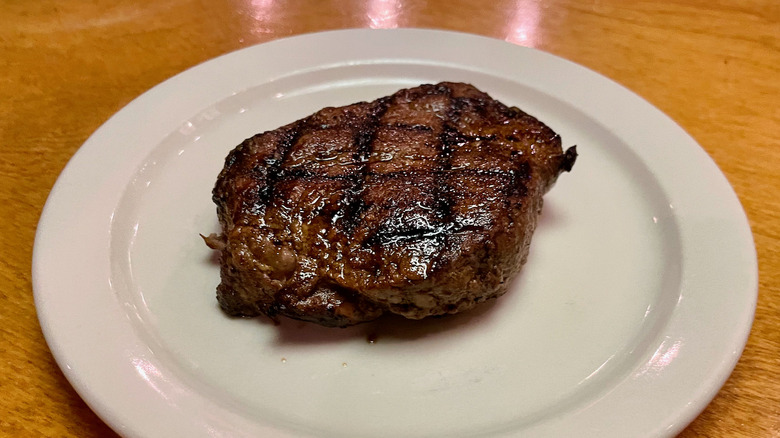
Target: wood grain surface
x,y
66,67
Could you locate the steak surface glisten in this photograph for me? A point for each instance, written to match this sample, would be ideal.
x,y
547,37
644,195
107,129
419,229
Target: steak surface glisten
x,y
420,203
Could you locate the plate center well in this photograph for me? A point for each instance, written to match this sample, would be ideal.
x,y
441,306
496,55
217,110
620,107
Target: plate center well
x,y
559,338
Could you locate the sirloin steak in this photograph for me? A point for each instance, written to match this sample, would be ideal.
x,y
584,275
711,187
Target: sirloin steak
x,y
420,203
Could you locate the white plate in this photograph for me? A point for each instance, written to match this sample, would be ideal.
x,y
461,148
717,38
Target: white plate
x,y
632,310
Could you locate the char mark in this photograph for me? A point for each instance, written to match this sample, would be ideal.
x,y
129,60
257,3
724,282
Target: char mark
x,y
274,169
355,205
391,235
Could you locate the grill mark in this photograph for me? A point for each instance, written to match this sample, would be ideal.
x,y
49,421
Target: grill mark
x,y
405,127
442,172
448,138
364,140
442,208
384,237
289,175
274,165
308,175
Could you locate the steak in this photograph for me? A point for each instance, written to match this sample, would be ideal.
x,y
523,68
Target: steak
x,y
420,203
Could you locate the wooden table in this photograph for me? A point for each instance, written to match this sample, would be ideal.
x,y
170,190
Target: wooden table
x,y
65,67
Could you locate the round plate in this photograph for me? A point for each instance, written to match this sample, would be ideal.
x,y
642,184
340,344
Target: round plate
x,y
607,332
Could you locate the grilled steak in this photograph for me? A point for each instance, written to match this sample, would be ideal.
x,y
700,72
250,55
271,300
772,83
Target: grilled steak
x,y
420,203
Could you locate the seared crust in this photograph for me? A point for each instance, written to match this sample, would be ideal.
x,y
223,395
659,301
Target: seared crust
x,y
420,203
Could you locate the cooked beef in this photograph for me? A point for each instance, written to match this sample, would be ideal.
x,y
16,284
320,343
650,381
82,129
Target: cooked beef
x,y
420,203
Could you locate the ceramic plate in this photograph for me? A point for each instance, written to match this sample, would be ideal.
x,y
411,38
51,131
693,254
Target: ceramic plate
x,y
631,312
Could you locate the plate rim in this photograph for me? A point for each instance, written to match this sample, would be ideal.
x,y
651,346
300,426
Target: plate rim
x,y
70,185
